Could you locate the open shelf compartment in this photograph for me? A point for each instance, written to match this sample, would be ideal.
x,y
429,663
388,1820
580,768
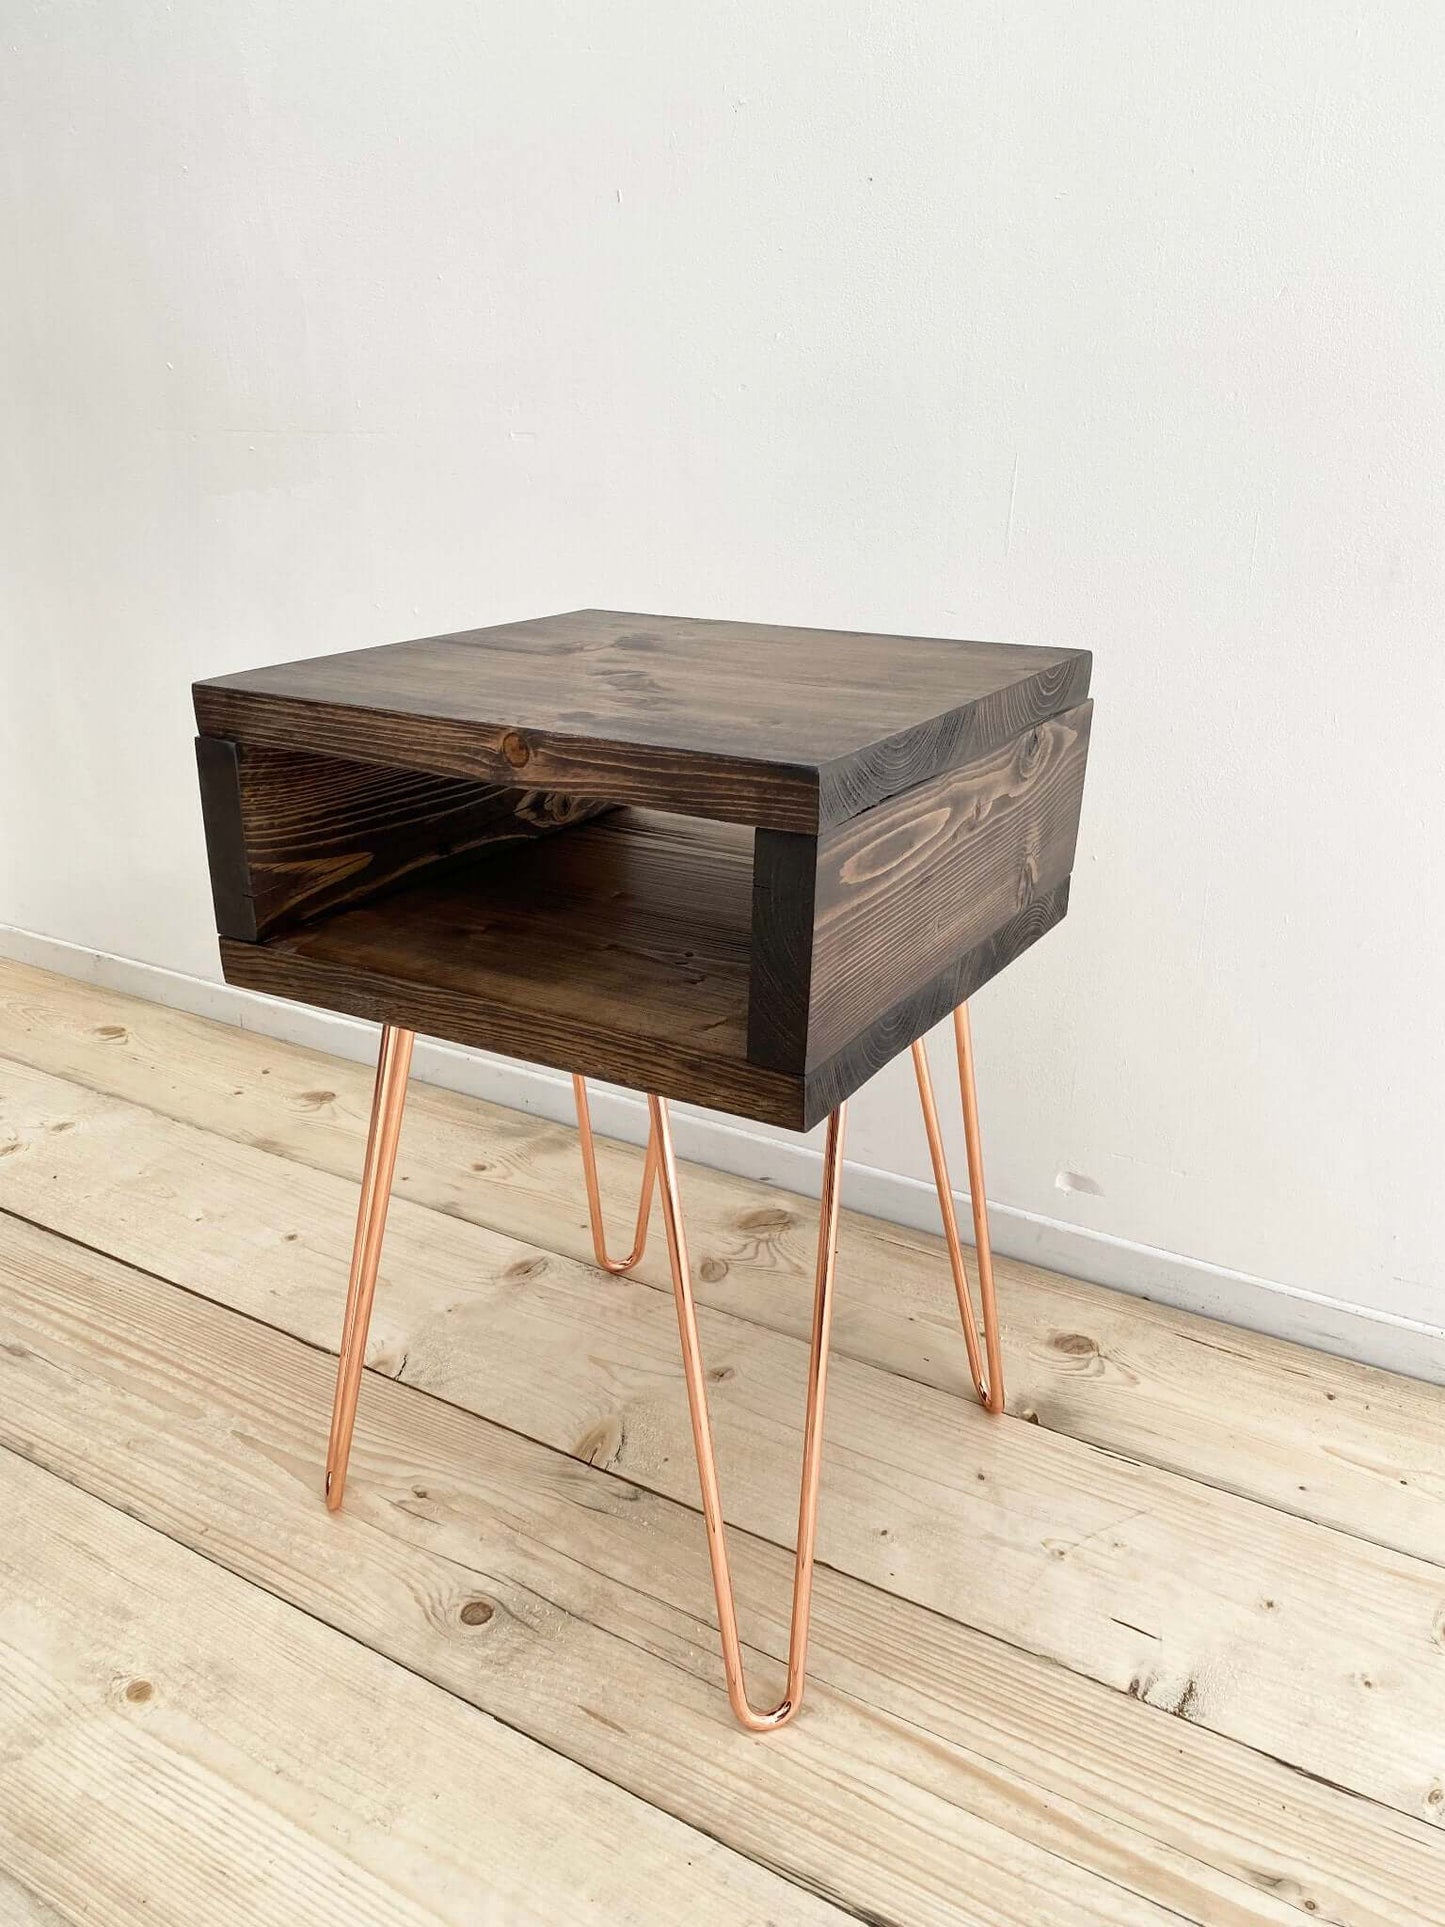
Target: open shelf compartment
x,y
755,970
612,941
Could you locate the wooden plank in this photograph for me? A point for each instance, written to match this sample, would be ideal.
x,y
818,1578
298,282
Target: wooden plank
x,y
747,722
180,1747
620,950
725,789
905,888
782,949
218,767
828,1083
290,835
21,1907
637,923
1322,1437
931,1775
785,1015
639,976
1318,1649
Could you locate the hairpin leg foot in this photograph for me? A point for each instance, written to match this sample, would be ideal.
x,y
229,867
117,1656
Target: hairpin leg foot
x,y
989,1381
393,1064
617,1266
747,1716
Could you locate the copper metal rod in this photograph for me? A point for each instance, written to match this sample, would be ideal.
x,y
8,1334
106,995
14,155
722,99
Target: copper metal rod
x,y
389,1098
363,1213
712,1510
388,1101
989,1383
617,1266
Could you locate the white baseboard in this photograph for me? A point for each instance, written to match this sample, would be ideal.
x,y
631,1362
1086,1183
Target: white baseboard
x,y
1169,1277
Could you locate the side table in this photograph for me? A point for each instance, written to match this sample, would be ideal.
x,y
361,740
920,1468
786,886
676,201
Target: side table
x,y
736,865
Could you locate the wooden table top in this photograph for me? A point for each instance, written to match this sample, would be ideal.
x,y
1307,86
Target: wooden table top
x,y
728,863
780,727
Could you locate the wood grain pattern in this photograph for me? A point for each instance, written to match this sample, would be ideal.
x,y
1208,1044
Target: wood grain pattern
x,y
179,1747
903,889
781,950
788,728
620,950
640,948
292,835
958,1766
1266,1629
574,1610
391,774
21,1907
868,1050
218,766
1324,1438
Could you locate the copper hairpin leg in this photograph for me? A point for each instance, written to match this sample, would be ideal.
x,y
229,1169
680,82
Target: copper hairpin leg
x,y
387,1102
661,1165
661,1160
617,1266
990,1385
712,1510
988,1380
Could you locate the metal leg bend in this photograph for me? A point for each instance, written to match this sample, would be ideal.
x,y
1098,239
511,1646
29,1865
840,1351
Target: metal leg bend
x,y
660,1174
617,1266
692,1365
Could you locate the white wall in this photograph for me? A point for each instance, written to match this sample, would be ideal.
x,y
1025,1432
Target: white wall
x,y
1117,325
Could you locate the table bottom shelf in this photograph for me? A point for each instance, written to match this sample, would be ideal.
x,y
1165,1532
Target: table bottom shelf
x,y
619,948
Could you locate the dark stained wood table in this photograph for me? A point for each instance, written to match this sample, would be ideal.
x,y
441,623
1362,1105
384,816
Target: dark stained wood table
x,y
734,864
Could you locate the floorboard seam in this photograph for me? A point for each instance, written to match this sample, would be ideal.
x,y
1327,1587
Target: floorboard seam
x,y
1367,1801
868,1916
558,1131
481,1712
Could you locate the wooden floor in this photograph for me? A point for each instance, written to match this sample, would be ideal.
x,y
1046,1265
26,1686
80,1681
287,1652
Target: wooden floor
x,y
1166,1642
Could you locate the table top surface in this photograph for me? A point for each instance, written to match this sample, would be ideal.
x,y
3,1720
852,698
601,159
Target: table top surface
x,y
787,697
827,840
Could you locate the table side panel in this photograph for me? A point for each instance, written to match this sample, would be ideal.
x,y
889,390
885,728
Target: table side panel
x,y
905,889
838,1077
954,738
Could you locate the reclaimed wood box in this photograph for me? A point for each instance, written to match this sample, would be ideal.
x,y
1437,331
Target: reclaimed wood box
x,y
733,864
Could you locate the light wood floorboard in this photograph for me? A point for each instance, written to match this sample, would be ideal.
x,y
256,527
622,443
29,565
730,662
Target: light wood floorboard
x,y
897,1791
1323,1437
182,1747
1297,1639
1055,1679
21,1908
